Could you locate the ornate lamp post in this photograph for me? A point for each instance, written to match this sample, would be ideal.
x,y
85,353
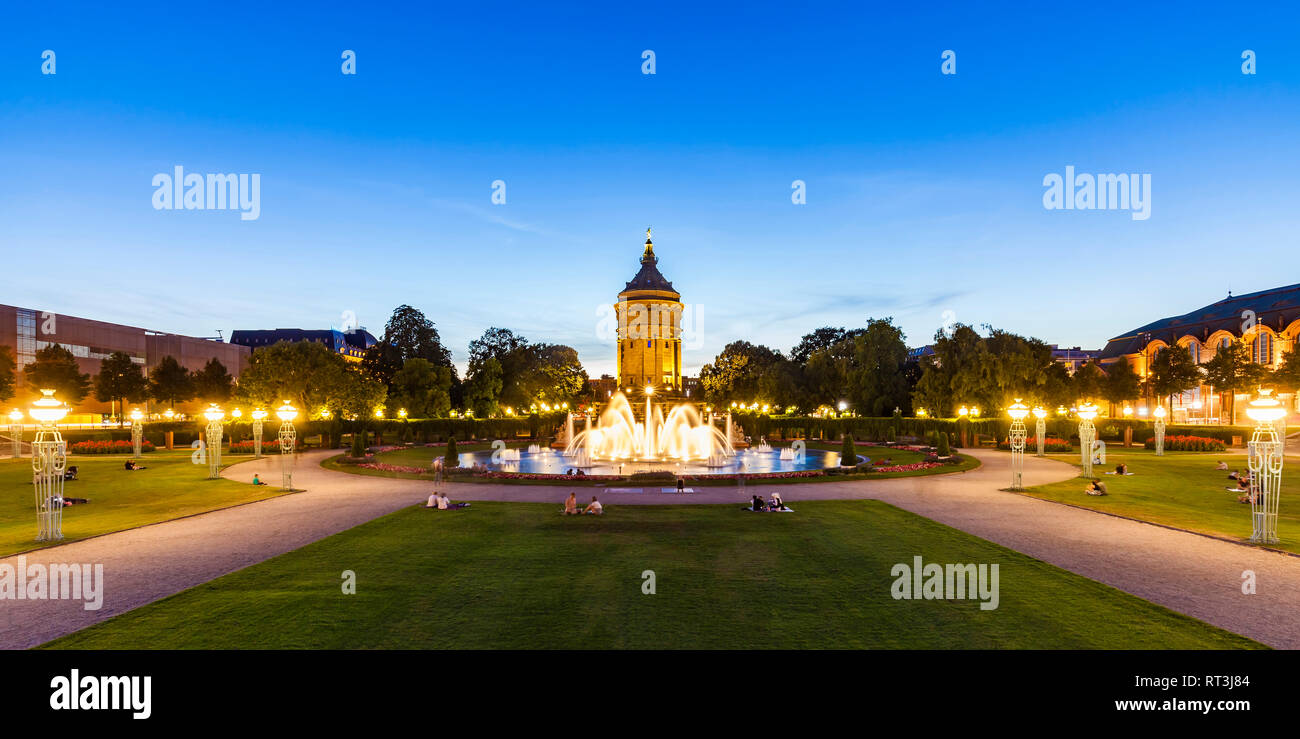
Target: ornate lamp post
x,y
1087,435
1016,438
1265,466
1159,413
288,438
49,460
16,431
1040,427
214,416
137,432
259,415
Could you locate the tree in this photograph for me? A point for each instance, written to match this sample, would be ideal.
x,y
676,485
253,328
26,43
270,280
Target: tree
x,y
8,373
1173,372
407,335
877,384
1086,383
120,380
946,376
1286,378
57,369
213,383
848,452
422,388
515,361
735,372
483,388
170,383
1231,370
313,377
556,376
451,458
1120,384
819,340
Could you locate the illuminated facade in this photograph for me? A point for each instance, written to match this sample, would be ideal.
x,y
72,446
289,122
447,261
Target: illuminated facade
x,y
649,314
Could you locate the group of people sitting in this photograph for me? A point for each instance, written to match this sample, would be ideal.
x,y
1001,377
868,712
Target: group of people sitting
x,y
443,503
593,508
1096,487
575,473
775,505
1243,481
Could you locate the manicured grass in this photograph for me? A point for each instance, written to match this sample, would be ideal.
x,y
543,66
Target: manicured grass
x,y
171,487
423,457
520,575
1180,489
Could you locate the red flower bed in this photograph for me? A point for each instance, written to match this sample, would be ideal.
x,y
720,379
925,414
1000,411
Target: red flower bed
x,y
908,467
394,468
108,447
1188,444
1049,444
542,476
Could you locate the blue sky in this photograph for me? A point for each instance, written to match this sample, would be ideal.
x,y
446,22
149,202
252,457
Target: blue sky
x,y
924,191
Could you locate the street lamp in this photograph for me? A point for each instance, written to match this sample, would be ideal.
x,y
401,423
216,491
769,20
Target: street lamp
x,y
1087,435
16,431
137,432
288,438
1159,413
1016,439
49,460
214,416
259,415
1040,427
1265,466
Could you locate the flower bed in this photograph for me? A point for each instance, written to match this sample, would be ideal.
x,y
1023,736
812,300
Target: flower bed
x,y
906,467
108,447
1188,444
1049,444
382,467
493,475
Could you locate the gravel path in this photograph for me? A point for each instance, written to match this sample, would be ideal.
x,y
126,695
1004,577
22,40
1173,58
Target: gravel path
x,y
1188,573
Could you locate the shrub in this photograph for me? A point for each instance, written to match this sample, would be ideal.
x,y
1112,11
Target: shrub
x,y
269,446
1188,444
943,450
451,458
890,435
848,453
1049,445
359,443
653,476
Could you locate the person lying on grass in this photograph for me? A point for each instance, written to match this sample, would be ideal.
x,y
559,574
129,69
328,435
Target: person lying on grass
x,y
131,464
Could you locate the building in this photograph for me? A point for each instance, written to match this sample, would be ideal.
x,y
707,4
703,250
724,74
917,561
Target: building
x,y
26,331
649,314
351,344
1269,321
1073,357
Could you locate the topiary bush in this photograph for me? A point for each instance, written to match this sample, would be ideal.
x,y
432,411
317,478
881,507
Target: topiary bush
x,y
451,458
943,450
848,453
359,443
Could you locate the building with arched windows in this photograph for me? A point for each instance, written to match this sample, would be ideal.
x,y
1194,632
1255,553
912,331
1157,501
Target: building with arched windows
x,y
1268,321
649,315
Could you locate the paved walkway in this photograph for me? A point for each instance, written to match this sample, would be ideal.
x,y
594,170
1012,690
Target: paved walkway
x,y
1188,573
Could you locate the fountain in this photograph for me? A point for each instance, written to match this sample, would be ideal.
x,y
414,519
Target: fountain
x,y
787,454
763,446
680,435
534,449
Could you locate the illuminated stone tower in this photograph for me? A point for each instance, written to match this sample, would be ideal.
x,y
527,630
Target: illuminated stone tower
x,y
649,329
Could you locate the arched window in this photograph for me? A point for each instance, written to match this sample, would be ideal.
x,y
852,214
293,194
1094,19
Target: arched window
x,y
1263,348
1194,348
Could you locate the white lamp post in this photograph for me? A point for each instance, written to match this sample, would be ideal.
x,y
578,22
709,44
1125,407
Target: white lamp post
x,y
1016,438
16,431
258,416
214,416
49,460
1159,413
1265,466
288,438
137,432
1040,427
1087,435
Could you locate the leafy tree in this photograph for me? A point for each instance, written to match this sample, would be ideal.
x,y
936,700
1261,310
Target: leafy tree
x,y
170,383
877,384
1173,372
1121,383
734,373
120,380
483,388
407,335
56,368
1230,371
8,373
819,340
986,372
1086,383
451,458
1286,378
422,388
943,449
555,374
312,377
947,376
848,452
516,360
213,383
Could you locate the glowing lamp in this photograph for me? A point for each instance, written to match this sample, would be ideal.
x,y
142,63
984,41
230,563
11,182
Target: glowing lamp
x,y
1018,410
963,411
48,409
1040,412
136,415
236,413
1264,409
975,412
16,415
1128,410
1159,412
286,412
169,413
843,406
1087,411
259,414
213,413
401,412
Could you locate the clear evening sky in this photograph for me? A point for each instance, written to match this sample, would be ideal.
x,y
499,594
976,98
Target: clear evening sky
x,y
924,191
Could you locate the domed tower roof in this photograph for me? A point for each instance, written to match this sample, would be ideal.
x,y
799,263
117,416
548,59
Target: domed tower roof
x,y
648,278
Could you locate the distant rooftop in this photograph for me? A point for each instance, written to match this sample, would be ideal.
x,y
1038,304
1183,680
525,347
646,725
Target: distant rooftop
x,y
1276,308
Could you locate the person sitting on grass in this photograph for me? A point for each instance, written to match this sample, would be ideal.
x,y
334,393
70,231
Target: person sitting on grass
x,y
1221,465
1121,469
594,507
257,480
756,504
777,503
131,464
1097,487
1234,475
571,505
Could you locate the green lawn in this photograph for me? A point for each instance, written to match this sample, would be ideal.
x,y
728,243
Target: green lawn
x,y
421,456
171,487
1180,489
520,575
